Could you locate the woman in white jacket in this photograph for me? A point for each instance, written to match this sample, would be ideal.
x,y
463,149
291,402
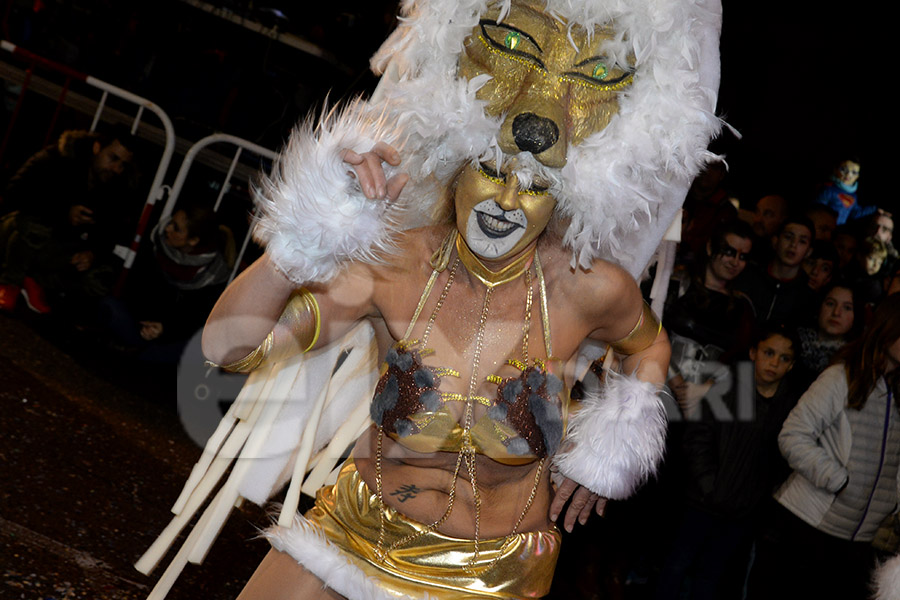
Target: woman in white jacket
x,y
843,442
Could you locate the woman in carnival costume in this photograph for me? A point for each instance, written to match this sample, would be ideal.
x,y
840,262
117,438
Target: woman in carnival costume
x,y
489,210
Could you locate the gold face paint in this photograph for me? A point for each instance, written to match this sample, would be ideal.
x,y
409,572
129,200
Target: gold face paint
x,y
496,219
553,94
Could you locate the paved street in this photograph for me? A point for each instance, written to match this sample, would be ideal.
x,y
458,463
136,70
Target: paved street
x,y
92,455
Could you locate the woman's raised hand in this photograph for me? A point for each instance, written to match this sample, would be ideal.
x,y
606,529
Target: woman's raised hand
x,y
368,168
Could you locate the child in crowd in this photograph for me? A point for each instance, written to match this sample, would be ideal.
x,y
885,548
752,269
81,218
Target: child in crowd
x,y
834,327
778,289
732,467
840,194
872,255
864,273
820,265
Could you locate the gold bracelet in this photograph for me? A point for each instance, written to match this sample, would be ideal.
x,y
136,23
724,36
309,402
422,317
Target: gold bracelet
x,y
252,360
643,334
302,318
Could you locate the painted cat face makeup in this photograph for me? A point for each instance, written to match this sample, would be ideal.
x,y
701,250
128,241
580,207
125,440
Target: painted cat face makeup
x,y
496,218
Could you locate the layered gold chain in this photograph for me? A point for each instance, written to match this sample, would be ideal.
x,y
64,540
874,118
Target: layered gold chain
x,y
467,453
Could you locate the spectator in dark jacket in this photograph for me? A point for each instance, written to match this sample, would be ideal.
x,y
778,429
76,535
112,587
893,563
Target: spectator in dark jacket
x,y
173,285
709,323
732,467
70,204
778,290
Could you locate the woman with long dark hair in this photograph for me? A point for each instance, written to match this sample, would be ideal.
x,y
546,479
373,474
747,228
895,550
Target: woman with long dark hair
x,y
835,326
842,441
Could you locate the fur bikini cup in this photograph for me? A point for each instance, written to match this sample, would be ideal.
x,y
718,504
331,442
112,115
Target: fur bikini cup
x,y
619,190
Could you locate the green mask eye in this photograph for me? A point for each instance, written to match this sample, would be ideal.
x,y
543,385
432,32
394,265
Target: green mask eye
x,y
600,72
512,40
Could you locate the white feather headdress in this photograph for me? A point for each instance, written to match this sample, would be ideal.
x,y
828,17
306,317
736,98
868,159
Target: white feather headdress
x,y
620,188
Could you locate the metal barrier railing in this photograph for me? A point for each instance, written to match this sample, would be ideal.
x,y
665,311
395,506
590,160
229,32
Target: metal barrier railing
x,y
240,146
156,187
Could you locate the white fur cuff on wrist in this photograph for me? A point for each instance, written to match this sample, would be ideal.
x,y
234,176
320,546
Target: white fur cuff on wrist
x,y
886,580
313,214
616,438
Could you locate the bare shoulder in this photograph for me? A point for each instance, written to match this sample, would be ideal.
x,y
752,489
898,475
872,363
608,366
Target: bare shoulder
x,y
606,297
603,282
413,248
399,278
410,260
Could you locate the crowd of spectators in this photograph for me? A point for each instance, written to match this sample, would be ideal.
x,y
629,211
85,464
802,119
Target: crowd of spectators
x,y
784,446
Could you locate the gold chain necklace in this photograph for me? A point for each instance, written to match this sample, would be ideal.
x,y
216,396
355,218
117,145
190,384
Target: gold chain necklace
x,y
467,453
380,553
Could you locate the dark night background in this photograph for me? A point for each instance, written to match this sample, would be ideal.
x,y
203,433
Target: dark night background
x,y
798,81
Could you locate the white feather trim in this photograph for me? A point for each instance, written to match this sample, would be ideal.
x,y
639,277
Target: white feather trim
x,y
314,216
616,438
306,544
622,186
886,580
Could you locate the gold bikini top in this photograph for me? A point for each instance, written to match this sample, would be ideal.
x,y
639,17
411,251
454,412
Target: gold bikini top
x,y
525,419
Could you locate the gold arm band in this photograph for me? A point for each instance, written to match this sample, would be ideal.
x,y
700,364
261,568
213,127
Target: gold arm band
x,y
643,334
252,360
301,318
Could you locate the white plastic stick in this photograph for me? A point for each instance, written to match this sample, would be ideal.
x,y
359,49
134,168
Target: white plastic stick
x,y
230,449
170,575
357,422
274,400
292,498
248,395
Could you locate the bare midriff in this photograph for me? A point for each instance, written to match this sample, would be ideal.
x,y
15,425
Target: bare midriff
x,y
418,486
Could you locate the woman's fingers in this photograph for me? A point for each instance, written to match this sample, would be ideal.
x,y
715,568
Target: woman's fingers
x,y
387,153
377,179
350,157
395,185
369,170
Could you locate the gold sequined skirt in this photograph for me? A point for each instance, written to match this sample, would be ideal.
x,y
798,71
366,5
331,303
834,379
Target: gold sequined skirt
x,y
348,514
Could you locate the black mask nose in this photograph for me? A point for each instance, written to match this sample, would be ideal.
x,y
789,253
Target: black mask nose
x,y
533,133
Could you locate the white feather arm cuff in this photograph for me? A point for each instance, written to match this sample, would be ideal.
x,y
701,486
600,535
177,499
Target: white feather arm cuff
x,y
616,438
886,580
313,214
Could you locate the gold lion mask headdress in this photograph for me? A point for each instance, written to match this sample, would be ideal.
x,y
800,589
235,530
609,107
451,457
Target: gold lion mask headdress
x,y
612,101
